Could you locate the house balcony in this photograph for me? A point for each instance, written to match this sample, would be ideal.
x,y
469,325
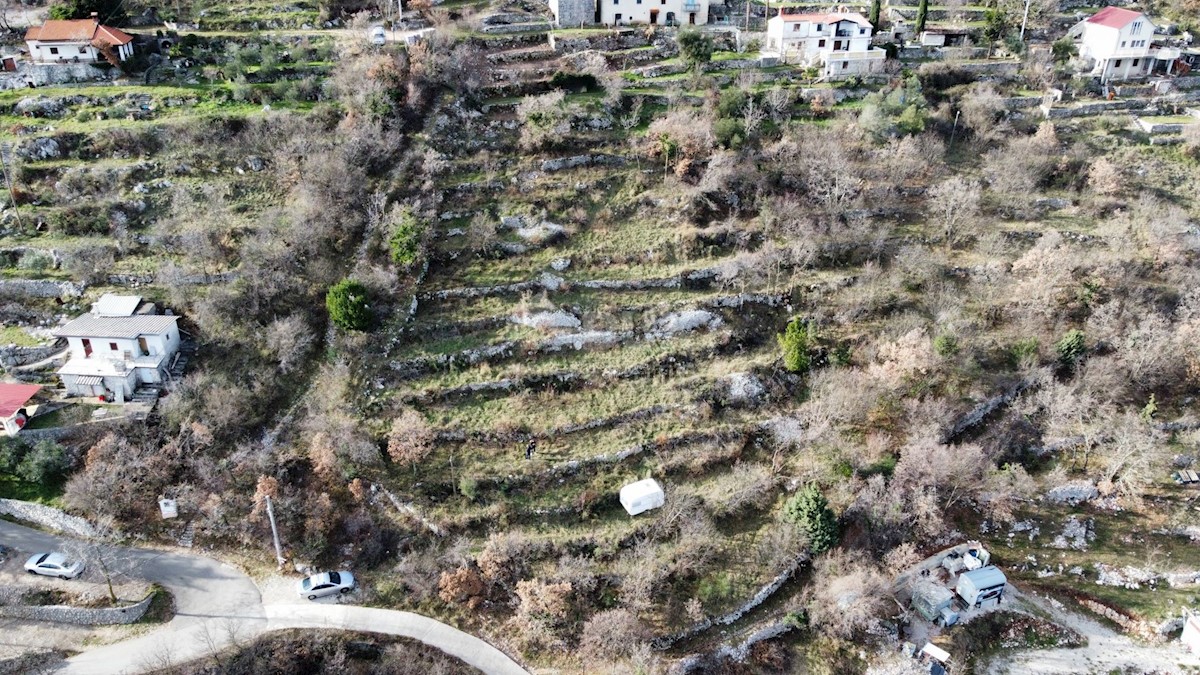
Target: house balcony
x,y
691,6
844,33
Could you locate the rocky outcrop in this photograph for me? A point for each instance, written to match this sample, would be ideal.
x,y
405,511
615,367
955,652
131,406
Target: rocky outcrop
x,y
1073,493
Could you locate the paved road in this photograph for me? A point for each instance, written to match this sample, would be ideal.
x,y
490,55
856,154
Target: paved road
x,y
1106,651
216,605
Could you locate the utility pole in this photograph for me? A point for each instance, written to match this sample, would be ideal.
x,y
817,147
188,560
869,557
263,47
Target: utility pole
x,y
1025,19
274,532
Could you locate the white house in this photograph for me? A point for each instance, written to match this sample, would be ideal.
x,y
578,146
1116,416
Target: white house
x,y
119,346
662,12
77,41
839,43
1117,42
14,411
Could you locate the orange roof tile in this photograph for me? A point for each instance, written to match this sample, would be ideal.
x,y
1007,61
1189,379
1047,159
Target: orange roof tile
x,y
77,30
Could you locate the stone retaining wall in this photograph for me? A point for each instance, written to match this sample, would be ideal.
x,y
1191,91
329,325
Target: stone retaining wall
x,y
42,288
83,616
18,356
50,74
47,517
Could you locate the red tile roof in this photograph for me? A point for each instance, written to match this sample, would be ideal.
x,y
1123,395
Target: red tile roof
x,y
78,30
1113,17
14,396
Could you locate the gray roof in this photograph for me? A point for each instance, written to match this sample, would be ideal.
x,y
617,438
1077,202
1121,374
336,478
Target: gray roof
x,y
90,325
984,577
116,305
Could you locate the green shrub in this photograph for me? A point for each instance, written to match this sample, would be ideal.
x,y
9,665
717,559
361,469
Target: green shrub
x,y
795,342
945,345
809,510
46,462
695,48
1071,348
407,235
468,487
730,133
1024,350
35,261
347,305
731,103
573,81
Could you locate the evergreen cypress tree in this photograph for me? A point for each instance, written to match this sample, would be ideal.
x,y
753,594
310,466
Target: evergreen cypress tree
x,y
809,510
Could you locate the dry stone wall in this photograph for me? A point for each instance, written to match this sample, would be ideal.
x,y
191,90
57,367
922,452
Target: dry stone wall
x,y
47,517
83,616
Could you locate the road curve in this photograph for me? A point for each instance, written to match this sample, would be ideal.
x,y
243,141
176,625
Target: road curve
x,y
217,605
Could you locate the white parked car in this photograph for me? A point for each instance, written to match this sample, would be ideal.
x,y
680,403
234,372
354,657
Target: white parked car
x,y
326,583
378,36
54,565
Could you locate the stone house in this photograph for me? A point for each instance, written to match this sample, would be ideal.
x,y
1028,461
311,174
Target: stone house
x,y
1117,42
121,345
838,43
568,13
77,41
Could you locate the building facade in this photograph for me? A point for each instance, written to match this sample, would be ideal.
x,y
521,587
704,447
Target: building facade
x,y
115,349
839,43
1118,43
77,41
654,12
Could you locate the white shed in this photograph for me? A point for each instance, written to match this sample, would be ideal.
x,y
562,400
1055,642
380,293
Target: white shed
x,y
642,496
981,586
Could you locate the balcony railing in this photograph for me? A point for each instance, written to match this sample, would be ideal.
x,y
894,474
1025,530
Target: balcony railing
x,y
691,7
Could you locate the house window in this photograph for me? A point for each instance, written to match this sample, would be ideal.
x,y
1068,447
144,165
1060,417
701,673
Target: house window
x,y
845,64
795,27
87,348
83,50
1122,44
54,50
639,2
1117,63
862,31
112,346
821,44
1135,62
820,27
1137,27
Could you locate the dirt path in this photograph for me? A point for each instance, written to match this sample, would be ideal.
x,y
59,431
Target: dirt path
x,y
1106,651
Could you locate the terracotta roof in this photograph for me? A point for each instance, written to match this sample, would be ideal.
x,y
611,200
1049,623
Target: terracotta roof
x,y
827,18
78,30
91,326
1113,17
14,396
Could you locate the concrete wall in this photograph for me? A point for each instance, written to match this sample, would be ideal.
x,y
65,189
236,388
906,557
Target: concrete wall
x,y
83,616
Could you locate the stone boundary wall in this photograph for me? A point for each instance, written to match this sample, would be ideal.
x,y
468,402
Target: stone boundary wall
x,y
83,616
42,288
18,356
47,517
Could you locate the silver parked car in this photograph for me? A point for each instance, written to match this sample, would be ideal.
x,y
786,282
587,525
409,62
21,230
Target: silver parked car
x,y
326,583
378,36
54,565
